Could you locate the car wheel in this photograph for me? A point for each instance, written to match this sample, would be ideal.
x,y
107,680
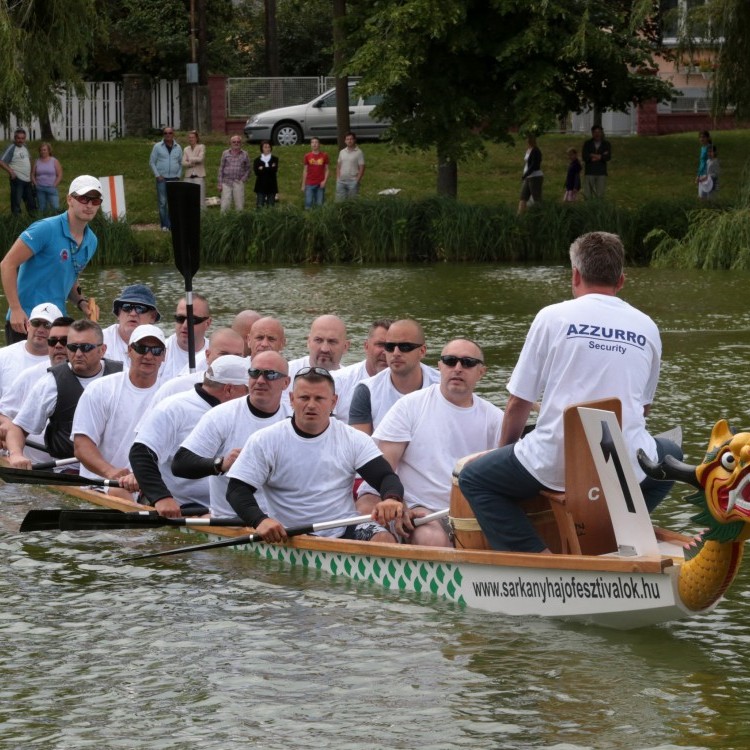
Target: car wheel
x,y
286,134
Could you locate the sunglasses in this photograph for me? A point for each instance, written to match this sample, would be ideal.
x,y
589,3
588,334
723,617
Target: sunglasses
x,y
86,199
157,350
197,319
55,340
255,373
402,346
466,362
306,372
85,348
129,307
39,323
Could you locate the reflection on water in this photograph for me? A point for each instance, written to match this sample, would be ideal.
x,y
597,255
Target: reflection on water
x,y
222,651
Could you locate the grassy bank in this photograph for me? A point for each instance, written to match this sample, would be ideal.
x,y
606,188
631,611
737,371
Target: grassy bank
x,y
650,187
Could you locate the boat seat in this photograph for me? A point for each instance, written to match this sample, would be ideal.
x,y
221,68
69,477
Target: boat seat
x,y
583,523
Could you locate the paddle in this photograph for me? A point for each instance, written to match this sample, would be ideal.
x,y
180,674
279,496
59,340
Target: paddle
x,y
250,538
87,520
49,519
52,464
24,476
184,202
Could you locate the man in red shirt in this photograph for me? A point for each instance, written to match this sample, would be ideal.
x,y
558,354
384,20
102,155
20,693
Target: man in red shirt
x,y
315,175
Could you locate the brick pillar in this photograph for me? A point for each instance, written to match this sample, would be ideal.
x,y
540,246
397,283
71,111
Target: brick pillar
x,y
136,104
217,97
647,119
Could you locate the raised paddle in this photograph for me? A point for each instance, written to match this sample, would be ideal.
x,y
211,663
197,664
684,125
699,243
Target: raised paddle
x,y
24,476
184,202
250,538
49,519
88,520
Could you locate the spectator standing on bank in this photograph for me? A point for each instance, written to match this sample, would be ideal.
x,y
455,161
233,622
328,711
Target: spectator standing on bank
x,y
596,153
573,178
709,183
315,175
532,178
234,169
266,170
16,161
46,175
193,159
704,138
166,164
350,169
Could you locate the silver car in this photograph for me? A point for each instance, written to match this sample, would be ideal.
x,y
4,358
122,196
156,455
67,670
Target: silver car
x,y
289,126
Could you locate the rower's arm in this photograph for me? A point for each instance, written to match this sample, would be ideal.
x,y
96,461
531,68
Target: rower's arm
x,y
241,496
379,474
145,466
88,454
360,409
192,466
15,441
517,412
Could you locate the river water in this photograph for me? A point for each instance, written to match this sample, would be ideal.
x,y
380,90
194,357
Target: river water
x,y
220,651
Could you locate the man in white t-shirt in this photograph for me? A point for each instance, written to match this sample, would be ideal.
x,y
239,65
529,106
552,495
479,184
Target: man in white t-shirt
x,y
16,161
217,439
222,341
404,351
350,168
593,346
347,378
17,357
327,343
427,431
134,306
170,421
52,401
305,467
177,360
242,324
110,409
266,335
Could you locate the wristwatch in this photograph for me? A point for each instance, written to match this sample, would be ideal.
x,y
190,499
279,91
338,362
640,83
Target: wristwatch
x,y
218,461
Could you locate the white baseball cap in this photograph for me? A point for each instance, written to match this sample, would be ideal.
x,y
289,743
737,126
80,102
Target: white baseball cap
x,y
46,311
147,331
229,369
85,184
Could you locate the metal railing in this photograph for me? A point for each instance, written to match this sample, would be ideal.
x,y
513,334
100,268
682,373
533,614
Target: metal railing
x,y
248,96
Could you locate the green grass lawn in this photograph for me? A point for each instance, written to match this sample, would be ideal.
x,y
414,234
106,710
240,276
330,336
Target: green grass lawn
x,y
642,169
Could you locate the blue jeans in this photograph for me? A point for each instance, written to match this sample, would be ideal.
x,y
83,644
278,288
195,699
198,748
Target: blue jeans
x,y
20,190
315,195
161,196
47,197
496,482
346,189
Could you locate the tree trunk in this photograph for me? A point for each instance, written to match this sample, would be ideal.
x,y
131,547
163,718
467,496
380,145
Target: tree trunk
x,y
45,127
343,125
272,40
447,176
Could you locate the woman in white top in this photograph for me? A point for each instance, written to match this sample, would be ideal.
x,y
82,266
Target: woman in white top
x,y
193,157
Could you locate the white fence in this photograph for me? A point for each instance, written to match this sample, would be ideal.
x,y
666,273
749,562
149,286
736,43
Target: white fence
x,y
99,115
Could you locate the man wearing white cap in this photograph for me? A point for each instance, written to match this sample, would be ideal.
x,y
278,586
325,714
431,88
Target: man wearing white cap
x,y
44,263
164,428
110,409
32,349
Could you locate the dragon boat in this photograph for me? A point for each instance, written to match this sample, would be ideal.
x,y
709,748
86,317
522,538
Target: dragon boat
x,y
613,567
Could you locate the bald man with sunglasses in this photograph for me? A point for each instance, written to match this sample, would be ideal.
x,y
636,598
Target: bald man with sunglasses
x,y
45,262
176,362
427,431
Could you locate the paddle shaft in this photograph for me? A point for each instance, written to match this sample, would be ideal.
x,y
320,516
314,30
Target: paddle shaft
x,y
86,520
251,538
52,464
24,476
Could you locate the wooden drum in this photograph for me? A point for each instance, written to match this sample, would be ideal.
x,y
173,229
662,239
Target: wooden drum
x,y
467,533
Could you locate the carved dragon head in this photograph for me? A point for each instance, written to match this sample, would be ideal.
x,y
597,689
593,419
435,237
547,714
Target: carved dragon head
x,y
723,480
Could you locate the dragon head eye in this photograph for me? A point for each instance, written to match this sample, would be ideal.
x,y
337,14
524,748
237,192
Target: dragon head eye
x,y
728,461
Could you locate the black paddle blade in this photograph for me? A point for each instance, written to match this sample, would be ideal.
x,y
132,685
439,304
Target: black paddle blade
x,y
41,520
184,201
24,476
91,520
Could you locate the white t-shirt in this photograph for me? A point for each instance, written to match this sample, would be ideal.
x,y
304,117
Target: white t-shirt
x,y
305,480
14,397
117,349
223,428
163,430
346,379
180,384
438,433
176,360
108,413
14,359
383,393
592,347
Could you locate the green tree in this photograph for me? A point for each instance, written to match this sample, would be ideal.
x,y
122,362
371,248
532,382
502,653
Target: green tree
x,y
454,73
43,47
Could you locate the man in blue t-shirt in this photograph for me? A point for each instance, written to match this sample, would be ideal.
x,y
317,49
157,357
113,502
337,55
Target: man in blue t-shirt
x,y
44,263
